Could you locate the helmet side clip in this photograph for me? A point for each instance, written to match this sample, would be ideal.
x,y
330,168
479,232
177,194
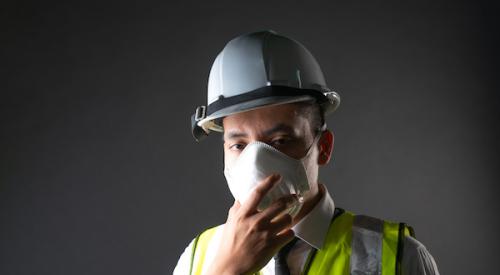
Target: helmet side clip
x,y
198,132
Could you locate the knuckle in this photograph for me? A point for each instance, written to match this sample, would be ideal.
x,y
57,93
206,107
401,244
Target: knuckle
x,y
239,219
259,191
268,180
252,230
252,225
266,237
258,224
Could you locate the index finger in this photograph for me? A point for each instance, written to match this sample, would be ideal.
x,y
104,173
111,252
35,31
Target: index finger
x,y
250,205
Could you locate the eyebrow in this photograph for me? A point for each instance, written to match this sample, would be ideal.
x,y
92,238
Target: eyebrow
x,y
277,128
234,134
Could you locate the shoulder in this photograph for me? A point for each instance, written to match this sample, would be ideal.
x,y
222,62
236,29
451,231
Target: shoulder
x,y
416,259
210,236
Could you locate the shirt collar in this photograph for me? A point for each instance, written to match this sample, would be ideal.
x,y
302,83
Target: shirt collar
x,y
314,226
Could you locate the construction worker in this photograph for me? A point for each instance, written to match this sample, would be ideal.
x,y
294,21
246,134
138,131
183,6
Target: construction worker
x,y
268,96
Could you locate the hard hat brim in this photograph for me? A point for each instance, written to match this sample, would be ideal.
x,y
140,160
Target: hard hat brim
x,y
209,123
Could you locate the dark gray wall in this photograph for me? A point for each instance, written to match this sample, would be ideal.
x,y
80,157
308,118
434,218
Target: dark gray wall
x,y
99,173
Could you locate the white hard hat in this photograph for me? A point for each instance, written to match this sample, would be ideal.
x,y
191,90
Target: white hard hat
x,y
260,69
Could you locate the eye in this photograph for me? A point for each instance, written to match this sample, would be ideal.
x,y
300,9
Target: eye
x,y
237,147
279,141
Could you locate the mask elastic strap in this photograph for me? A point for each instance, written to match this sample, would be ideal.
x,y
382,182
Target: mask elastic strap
x,y
316,138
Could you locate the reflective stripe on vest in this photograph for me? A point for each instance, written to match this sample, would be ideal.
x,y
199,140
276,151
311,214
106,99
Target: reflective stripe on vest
x,y
355,244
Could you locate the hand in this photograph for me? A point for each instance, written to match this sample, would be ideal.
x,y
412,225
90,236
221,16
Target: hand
x,y
251,238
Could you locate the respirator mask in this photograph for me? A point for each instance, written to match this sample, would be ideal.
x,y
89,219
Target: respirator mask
x,y
259,160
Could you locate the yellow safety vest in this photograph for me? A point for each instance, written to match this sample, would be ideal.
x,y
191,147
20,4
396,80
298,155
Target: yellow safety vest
x,y
355,244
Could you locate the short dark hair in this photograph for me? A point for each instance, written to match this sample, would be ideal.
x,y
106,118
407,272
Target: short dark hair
x,y
315,113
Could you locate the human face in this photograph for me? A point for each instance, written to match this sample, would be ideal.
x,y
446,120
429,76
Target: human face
x,y
284,127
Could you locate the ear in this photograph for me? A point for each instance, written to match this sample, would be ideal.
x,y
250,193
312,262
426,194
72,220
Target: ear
x,y
325,146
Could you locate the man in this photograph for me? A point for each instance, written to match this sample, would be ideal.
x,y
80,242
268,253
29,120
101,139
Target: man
x,y
268,96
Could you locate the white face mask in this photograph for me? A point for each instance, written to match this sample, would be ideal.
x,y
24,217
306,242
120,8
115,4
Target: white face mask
x,y
259,160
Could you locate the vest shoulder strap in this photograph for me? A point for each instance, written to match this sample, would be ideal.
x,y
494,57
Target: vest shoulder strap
x,y
199,250
358,244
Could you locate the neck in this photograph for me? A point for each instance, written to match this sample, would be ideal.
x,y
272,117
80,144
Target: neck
x,y
309,204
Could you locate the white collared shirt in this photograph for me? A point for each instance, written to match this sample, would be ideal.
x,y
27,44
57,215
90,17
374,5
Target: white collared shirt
x,y
312,231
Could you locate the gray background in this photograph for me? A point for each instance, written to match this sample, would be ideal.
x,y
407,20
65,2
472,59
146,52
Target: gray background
x,y
99,173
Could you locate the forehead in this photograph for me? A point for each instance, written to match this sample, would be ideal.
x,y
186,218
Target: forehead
x,y
267,120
